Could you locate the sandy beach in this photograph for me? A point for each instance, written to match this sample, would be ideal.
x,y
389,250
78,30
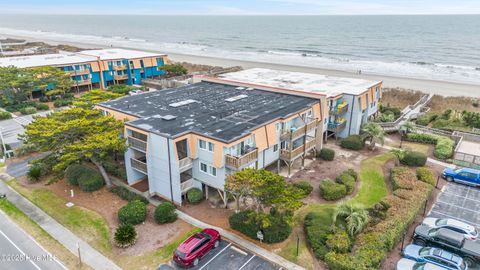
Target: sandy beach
x,y
443,88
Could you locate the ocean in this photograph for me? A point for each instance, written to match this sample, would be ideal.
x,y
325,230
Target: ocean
x,y
444,47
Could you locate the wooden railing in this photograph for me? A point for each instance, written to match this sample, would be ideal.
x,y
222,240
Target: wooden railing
x,y
121,67
336,111
186,185
237,162
139,165
184,163
294,153
287,134
84,82
121,77
137,144
336,126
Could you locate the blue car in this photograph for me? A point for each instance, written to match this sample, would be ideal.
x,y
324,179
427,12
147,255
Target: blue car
x,y
465,176
435,256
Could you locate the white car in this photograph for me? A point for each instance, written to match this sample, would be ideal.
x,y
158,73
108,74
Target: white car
x,y
135,92
468,231
407,264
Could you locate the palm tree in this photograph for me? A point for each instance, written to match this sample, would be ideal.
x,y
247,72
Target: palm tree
x,y
374,133
407,127
354,215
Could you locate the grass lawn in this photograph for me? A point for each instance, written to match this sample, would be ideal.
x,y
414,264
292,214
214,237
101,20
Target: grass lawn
x,y
93,228
419,147
42,237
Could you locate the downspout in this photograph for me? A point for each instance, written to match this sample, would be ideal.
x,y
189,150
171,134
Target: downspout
x,y
351,117
268,146
170,169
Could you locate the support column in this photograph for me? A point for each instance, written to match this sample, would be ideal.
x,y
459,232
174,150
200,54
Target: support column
x,y
278,166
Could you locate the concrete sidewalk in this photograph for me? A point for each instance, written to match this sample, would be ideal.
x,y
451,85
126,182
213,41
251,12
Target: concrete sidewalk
x,y
90,256
226,234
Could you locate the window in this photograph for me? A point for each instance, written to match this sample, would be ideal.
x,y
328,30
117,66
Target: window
x,y
211,147
202,144
204,167
275,148
208,169
213,171
278,126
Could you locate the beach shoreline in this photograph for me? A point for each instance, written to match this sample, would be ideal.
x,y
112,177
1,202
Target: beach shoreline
x,y
443,88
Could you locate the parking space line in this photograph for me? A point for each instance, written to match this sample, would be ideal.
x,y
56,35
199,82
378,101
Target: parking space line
x,y
239,250
21,251
253,256
215,256
449,216
453,194
463,208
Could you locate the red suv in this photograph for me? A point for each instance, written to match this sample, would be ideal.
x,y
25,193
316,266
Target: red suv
x,y
196,246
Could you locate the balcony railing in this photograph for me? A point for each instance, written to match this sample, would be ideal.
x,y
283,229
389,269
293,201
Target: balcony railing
x,y
185,164
84,82
78,72
337,126
137,144
186,185
300,131
120,67
121,77
339,109
289,155
139,165
238,162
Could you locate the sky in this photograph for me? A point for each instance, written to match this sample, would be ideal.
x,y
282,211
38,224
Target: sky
x,y
241,7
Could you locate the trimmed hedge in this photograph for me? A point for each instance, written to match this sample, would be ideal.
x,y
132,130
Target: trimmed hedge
x,y
402,178
134,212
353,142
339,241
421,138
28,110
444,148
317,234
91,182
277,232
165,213
194,195
347,180
327,154
352,172
128,195
331,191
5,115
305,186
41,106
413,158
125,236
426,175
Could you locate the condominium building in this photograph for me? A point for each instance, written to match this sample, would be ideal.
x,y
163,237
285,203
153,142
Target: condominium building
x,y
196,135
97,68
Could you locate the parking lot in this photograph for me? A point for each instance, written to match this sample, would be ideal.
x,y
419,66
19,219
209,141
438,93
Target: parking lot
x,y
228,256
460,202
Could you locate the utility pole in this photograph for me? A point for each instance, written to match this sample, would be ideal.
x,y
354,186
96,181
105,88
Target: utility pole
x,y
3,145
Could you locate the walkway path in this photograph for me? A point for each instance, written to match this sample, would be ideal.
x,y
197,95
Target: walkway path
x,y
89,255
407,114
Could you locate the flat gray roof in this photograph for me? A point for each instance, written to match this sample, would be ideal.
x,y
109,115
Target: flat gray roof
x,y
220,111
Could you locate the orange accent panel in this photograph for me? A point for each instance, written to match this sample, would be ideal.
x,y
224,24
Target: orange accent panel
x,y
363,100
147,62
95,67
166,60
105,65
316,111
117,115
272,133
136,63
260,138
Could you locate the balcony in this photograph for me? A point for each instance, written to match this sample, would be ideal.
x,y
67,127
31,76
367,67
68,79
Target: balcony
x,y
139,165
236,163
298,131
120,67
78,72
137,144
337,126
339,109
84,82
289,155
185,164
186,185
121,77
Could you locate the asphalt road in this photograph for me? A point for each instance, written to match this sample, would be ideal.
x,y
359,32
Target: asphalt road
x,y
20,168
11,128
19,251
228,257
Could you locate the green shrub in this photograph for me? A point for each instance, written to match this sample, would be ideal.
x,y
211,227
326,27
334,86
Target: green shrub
x,y
426,175
402,178
62,102
74,172
194,195
5,115
347,180
421,138
165,213
115,169
444,148
423,120
352,172
339,241
353,142
28,110
41,106
317,234
34,173
120,88
89,182
125,236
305,186
327,154
413,158
332,191
244,222
128,195
19,106
134,212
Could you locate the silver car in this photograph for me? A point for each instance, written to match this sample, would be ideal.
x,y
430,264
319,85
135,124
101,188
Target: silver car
x,y
407,264
468,231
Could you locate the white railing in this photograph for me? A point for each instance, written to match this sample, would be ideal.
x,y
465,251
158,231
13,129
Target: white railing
x,y
184,163
186,185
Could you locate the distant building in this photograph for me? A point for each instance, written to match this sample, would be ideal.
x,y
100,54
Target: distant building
x,y
97,68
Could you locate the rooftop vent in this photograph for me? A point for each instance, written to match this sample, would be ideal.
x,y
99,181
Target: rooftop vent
x,y
235,98
168,117
182,103
249,89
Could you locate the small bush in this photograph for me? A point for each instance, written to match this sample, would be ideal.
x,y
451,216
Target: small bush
x,y
413,158
34,173
332,191
115,169
305,187
194,195
421,138
327,154
444,148
134,212
426,175
353,142
128,195
402,178
165,213
317,234
28,110
278,231
339,241
41,106
125,236
90,182
62,102
352,172
74,172
5,115
347,180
